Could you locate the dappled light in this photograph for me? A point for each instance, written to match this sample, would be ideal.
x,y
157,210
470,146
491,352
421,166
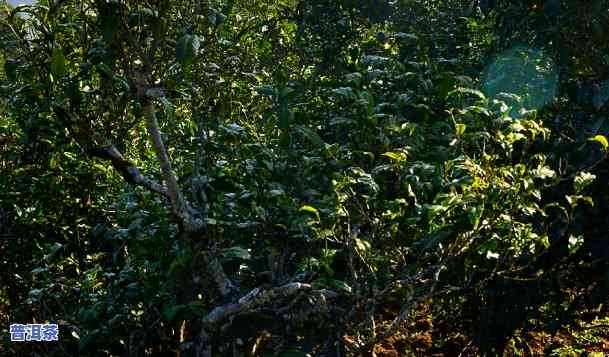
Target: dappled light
x,y
528,73
299,178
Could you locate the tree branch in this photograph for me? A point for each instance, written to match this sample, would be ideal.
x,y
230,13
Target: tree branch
x,y
412,303
258,297
192,221
214,268
128,171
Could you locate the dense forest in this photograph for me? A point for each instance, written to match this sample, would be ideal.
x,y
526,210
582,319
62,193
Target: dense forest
x,y
305,177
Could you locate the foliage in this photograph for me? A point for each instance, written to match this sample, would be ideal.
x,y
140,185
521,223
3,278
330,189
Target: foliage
x,y
267,177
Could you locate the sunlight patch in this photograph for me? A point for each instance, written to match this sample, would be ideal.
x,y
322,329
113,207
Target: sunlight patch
x,y
528,73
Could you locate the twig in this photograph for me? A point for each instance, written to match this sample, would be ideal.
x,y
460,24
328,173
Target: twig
x,y
412,304
465,348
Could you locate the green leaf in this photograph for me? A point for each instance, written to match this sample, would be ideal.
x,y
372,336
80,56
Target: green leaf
x,y
409,127
478,109
171,312
88,338
105,69
354,78
133,290
544,241
404,99
10,69
460,129
346,92
186,48
573,200
602,140
396,156
367,181
575,243
309,209
474,92
58,64
197,308
582,180
362,245
432,240
293,353
236,252
332,283
545,172
167,105
406,36
311,135
491,255
475,214
266,90
373,60
39,270
340,285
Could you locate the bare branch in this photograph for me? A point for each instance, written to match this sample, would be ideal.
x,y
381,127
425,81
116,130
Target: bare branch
x,y
412,303
128,170
181,207
192,221
258,297
214,268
